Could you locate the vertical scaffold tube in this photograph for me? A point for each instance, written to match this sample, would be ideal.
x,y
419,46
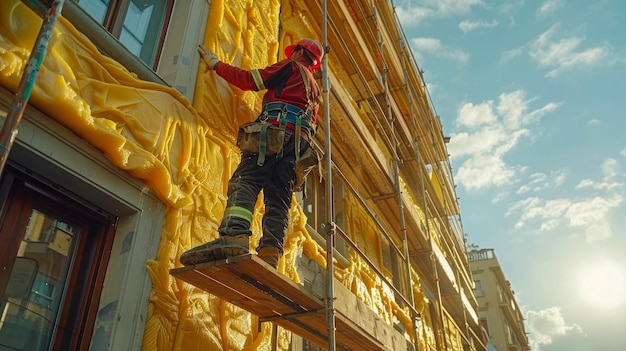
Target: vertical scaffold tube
x,y
404,50
396,170
330,238
20,99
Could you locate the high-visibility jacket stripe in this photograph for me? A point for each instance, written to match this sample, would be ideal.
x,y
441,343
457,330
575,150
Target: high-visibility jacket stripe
x,y
257,79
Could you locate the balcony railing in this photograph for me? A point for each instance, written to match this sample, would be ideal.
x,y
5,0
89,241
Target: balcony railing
x,y
485,254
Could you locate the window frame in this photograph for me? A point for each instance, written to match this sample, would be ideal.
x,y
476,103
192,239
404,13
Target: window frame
x,y
113,22
479,290
484,322
316,199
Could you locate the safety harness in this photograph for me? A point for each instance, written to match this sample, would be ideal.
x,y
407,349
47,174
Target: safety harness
x,y
285,113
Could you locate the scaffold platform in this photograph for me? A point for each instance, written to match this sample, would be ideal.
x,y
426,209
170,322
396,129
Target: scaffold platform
x,y
250,283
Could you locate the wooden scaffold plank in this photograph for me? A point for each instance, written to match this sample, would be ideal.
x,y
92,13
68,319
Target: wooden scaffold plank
x,y
251,284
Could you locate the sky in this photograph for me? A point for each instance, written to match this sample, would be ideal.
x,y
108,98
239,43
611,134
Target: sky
x,y
532,94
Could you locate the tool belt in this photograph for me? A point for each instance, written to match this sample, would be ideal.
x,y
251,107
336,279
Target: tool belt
x,y
266,135
261,138
300,121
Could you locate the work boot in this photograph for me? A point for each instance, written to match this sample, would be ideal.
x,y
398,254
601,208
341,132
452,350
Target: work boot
x,y
270,255
219,249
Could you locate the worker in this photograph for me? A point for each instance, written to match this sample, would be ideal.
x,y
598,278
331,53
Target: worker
x,y
289,115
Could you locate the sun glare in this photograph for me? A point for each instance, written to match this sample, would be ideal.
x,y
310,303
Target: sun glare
x,y
603,284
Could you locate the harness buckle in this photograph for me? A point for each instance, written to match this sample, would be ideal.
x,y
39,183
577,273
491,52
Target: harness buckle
x,y
263,117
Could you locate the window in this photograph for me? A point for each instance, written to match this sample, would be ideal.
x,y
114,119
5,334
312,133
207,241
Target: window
x,y
394,264
478,288
510,338
138,24
386,253
485,324
502,295
339,193
314,207
314,204
309,346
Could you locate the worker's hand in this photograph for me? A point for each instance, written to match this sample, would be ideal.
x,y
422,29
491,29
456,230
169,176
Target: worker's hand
x,y
208,56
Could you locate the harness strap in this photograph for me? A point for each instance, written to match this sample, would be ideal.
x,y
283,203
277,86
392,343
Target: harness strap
x,y
298,137
280,111
263,140
309,111
283,126
284,116
262,144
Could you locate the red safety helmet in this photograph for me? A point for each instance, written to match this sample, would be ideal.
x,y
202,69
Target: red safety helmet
x,y
312,46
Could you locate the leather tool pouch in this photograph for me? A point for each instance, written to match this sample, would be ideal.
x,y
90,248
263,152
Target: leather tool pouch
x,y
260,138
310,158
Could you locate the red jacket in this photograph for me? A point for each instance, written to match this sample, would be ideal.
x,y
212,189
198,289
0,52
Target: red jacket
x,y
282,80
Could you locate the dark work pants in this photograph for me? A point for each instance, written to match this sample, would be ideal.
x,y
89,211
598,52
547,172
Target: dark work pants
x,y
276,177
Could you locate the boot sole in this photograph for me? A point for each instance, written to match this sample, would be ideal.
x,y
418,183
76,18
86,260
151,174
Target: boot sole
x,y
210,255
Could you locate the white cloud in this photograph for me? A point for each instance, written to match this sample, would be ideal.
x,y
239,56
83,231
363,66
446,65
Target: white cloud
x,y
590,211
610,168
430,9
549,212
482,142
546,324
509,7
549,7
413,15
484,171
594,122
528,207
427,44
559,176
610,171
511,54
468,26
541,181
538,181
491,131
473,116
560,55
434,47
590,214
431,87
590,184
500,197
598,232
623,152
514,108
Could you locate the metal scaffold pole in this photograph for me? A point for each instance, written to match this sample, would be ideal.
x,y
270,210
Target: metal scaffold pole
x,y
396,170
20,99
405,49
330,239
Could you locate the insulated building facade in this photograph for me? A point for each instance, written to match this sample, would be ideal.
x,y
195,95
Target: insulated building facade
x,y
122,157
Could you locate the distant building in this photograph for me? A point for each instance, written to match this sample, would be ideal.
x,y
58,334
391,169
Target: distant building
x,y
499,313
